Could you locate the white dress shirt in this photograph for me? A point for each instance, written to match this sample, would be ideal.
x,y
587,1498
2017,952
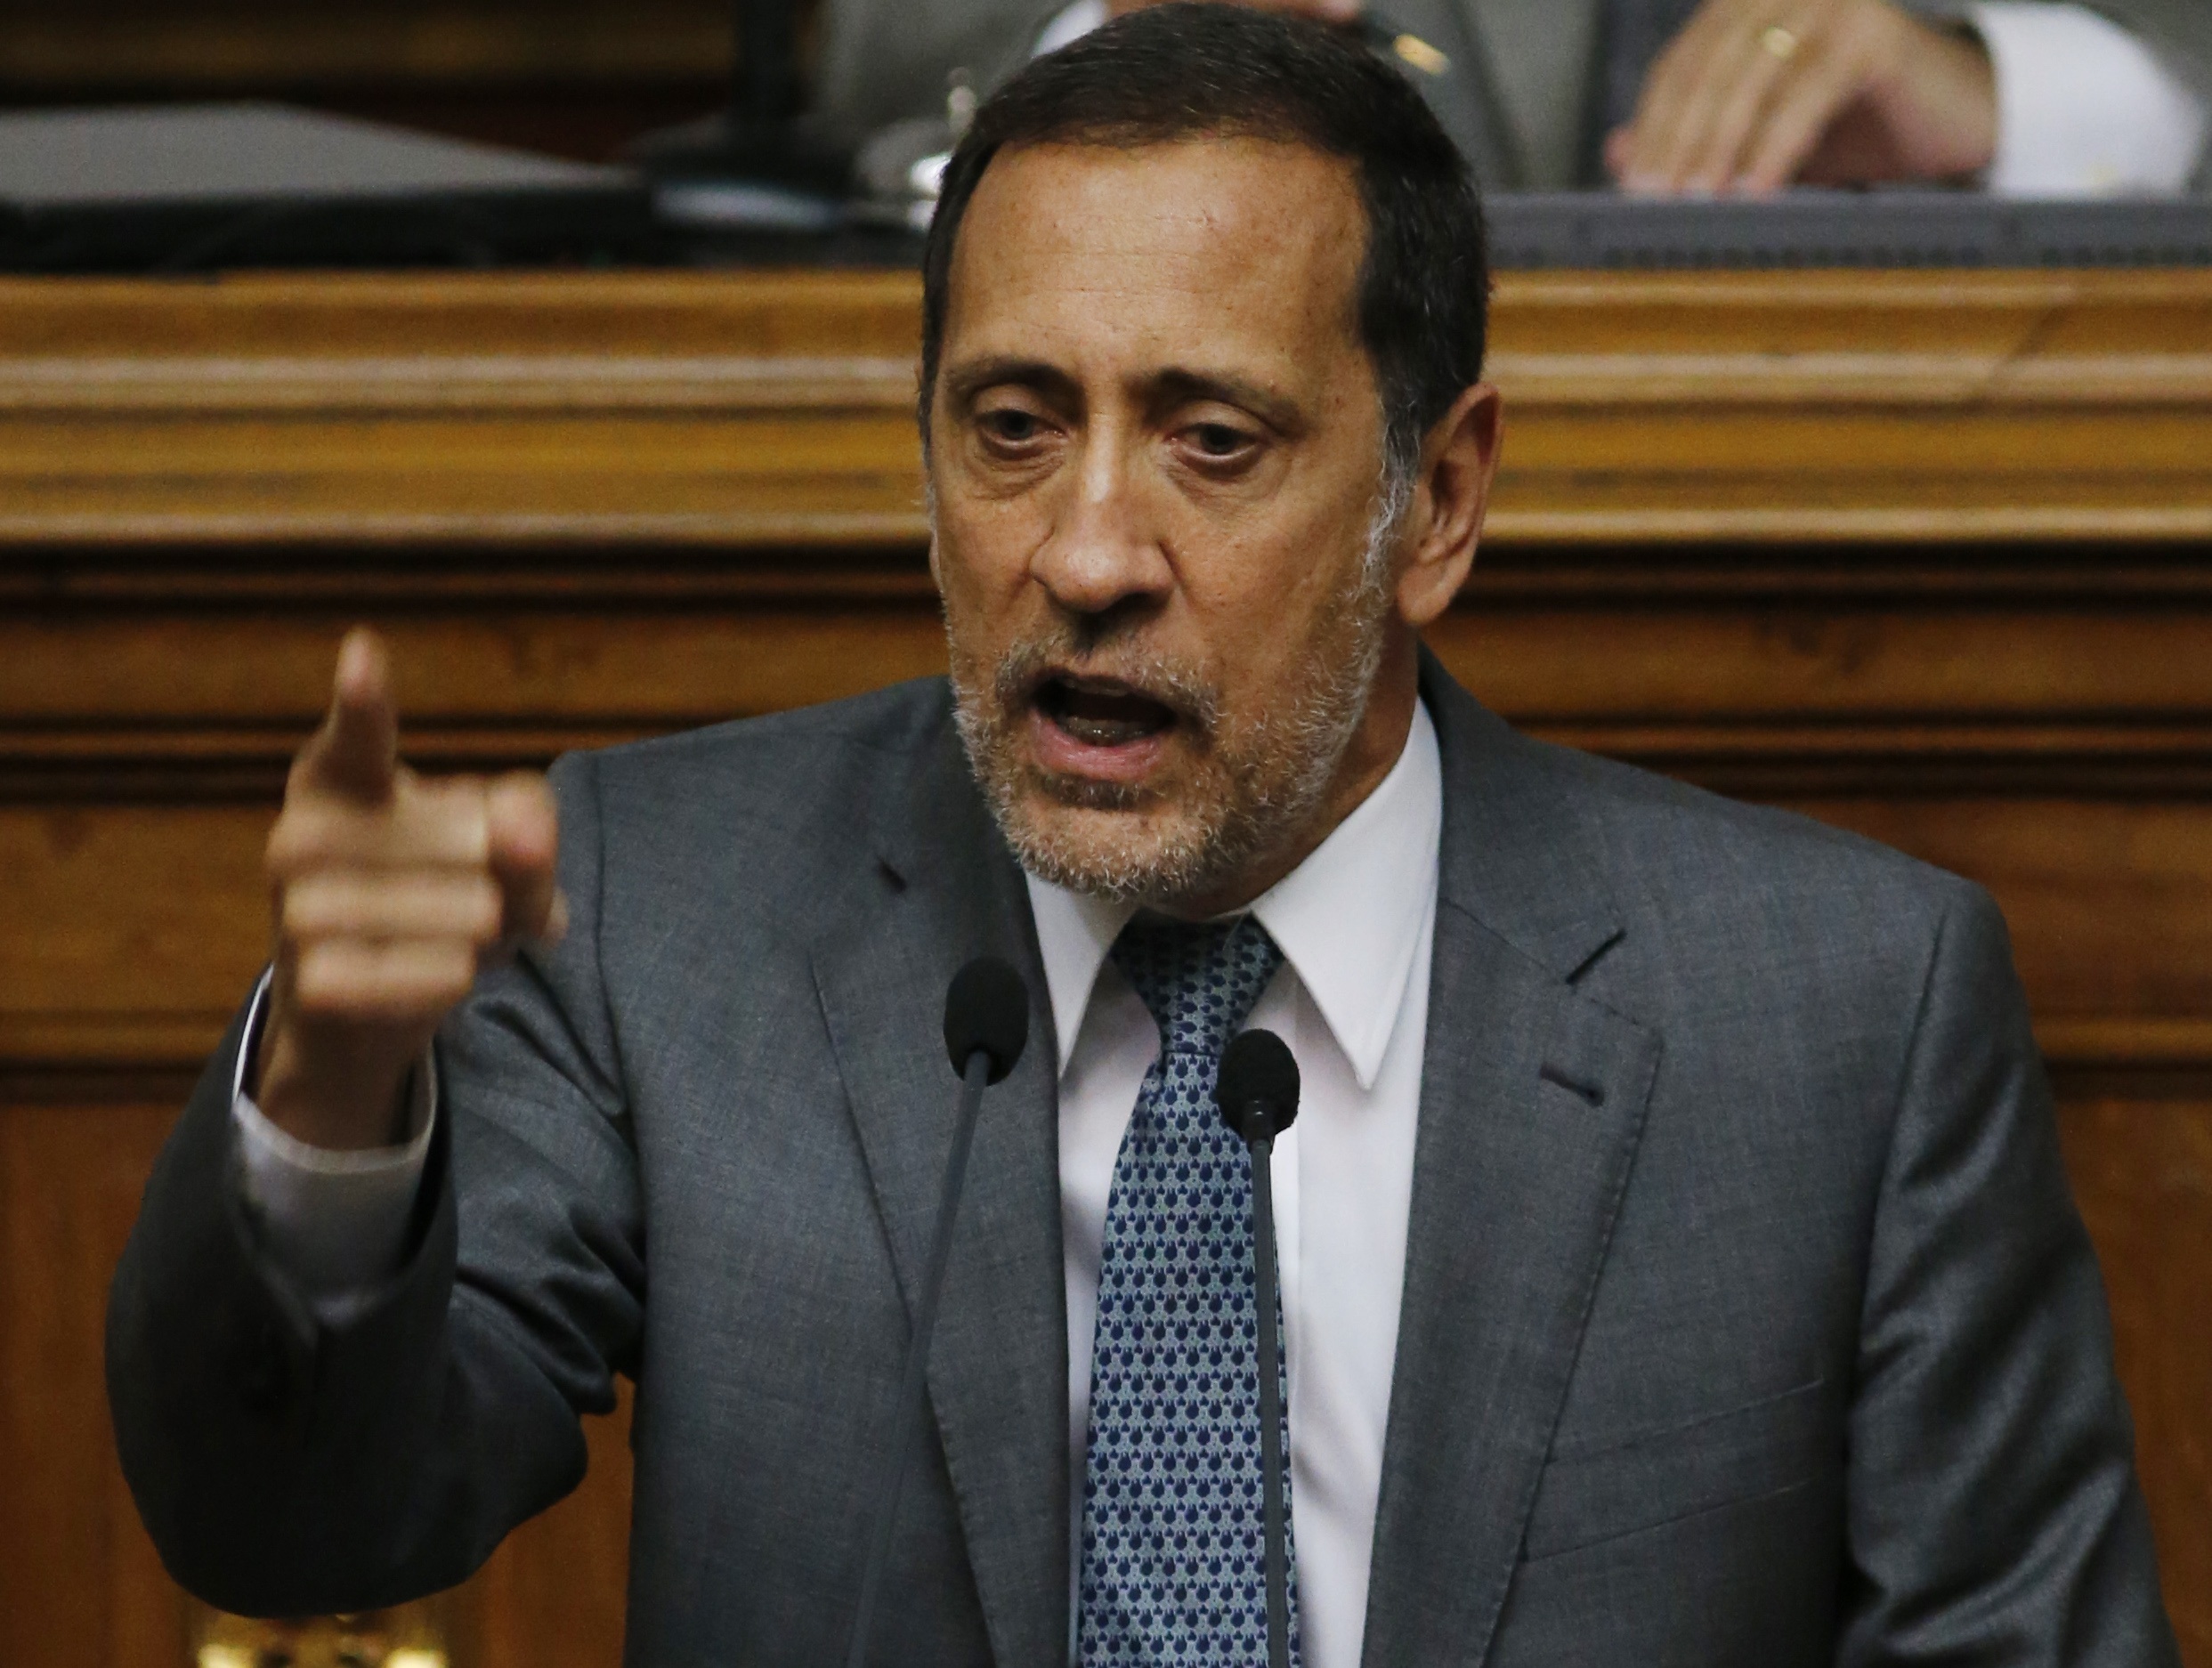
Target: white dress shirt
x,y
1354,922
2084,108
337,1221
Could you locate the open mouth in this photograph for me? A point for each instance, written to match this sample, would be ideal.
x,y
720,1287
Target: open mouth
x,y
1098,727
1102,713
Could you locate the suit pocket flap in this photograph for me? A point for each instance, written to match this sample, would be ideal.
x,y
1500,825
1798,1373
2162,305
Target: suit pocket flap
x,y
1593,1494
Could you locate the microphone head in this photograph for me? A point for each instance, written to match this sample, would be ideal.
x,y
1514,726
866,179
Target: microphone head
x,y
987,1008
1256,1071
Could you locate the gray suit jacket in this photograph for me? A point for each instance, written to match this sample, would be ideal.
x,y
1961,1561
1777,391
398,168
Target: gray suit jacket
x,y
1520,97
1747,1320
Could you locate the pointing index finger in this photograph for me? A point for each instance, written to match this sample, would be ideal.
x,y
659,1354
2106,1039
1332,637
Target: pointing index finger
x,y
357,750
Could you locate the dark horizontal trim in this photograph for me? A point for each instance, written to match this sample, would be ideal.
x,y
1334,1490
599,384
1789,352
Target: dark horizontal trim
x,y
46,1084
314,574
1597,230
2047,756
2073,1083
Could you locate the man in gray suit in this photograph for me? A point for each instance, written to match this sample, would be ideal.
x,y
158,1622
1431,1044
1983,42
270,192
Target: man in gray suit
x,y
1677,1261
2028,97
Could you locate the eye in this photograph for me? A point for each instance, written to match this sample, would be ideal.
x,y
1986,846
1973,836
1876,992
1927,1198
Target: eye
x,y
1218,448
1011,426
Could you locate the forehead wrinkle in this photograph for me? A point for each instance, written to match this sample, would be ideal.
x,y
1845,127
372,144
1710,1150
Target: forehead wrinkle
x,y
1250,213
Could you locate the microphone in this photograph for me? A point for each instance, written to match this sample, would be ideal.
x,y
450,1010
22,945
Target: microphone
x,y
986,1011
1258,1093
987,1026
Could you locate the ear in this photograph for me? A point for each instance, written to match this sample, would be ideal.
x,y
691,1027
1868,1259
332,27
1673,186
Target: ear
x,y
1444,519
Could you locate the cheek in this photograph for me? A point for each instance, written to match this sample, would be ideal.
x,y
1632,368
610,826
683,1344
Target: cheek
x,y
982,580
1266,588
972,555
1252,642
1261,632
987,540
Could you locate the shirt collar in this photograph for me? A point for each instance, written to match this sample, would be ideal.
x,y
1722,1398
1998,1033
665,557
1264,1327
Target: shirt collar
x,y
1348,919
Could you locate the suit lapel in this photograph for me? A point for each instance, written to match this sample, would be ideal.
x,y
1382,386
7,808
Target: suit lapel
x,y
1532,1102
947,890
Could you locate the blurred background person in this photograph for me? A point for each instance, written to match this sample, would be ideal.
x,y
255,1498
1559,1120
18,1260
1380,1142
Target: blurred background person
x,y
2100,98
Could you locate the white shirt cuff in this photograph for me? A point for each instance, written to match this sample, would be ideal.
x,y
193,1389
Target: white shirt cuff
x,y
2084,109
337,1222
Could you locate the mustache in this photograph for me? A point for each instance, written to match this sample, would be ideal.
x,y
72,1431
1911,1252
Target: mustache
x,y
1062,651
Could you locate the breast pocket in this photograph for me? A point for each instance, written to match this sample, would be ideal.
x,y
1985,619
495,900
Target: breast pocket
x,y
1595,1492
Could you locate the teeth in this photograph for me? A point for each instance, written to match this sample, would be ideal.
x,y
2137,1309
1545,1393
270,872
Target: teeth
x,y
1102,732
1097,718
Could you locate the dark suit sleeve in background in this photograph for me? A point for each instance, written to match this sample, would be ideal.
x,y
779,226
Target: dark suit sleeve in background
x,y
1993,1514
284,1465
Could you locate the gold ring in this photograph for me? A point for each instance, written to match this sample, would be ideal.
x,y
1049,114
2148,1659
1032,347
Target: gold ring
x,y
1777,42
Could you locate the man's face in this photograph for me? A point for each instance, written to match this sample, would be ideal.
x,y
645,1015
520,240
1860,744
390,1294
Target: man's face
x,y
1155,464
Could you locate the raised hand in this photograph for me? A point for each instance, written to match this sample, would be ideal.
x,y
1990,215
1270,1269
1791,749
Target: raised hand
x,y
390,892
1753,95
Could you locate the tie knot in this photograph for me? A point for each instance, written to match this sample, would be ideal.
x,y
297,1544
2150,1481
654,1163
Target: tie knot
x,y
1198,979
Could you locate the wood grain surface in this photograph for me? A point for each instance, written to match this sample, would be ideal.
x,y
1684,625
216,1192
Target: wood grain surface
x,y
1924,556
747,411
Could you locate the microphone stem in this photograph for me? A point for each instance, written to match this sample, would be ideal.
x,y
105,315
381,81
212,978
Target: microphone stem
x,y
911,1412
1262,1148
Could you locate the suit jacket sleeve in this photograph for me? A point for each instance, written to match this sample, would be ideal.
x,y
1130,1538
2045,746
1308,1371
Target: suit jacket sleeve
x,y
1993,1513
285,1464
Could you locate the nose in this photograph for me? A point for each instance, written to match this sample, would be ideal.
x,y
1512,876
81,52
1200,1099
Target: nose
x,y
1104,549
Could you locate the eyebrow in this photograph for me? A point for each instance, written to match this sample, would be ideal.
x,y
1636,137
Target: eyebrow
x,y
1172,385
1177,385
963,383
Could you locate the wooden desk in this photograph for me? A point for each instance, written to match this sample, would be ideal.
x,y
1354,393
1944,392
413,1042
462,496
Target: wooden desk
x,y
1928,555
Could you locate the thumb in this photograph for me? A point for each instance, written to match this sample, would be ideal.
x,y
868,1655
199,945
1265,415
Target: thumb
x,y
523,826
357,750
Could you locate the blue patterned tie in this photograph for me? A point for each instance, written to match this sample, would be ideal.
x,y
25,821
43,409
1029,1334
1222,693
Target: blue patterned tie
x,y
1174,1564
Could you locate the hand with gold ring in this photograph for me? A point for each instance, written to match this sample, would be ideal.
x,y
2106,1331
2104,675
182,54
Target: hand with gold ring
x,y
1753,95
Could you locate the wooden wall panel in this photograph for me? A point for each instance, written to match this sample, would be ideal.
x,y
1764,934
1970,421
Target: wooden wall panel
x,y
126,933
1814,661
2142,1171
2110,904
1906,670
559,670
2063,407
552,1596
80,1585
2109,907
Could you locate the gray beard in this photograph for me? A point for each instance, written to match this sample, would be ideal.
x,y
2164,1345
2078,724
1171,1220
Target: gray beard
x,y
1256,792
